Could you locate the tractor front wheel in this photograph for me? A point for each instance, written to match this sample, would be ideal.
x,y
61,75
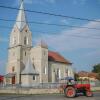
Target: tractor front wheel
x,y
70,92
89,94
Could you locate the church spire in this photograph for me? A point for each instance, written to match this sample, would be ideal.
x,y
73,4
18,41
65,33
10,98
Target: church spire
x,y
21,19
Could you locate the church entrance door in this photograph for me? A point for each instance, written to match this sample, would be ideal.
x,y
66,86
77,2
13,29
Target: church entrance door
x,y
13,80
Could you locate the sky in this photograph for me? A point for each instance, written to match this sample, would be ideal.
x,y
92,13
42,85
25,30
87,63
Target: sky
x,y
81,46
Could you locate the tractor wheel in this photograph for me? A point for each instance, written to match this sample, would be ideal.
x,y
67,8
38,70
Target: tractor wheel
x,y
89,94
70,92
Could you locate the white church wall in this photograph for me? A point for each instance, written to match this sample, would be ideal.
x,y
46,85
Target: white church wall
x,y
39,57
61,67
28,80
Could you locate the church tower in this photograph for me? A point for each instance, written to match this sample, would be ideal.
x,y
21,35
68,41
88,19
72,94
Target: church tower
x,y
19,47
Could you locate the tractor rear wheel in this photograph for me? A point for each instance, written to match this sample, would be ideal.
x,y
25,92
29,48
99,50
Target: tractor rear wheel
x,y
89,94
70,92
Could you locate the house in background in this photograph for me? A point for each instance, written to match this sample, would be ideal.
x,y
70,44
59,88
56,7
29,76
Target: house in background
x,y
1,79
90,76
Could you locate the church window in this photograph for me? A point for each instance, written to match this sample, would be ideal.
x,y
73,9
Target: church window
x,y
25,40
33,77
44,53
57,72
54,70
25,30
45,70
66,70
33,66
13,69
14,40
25,53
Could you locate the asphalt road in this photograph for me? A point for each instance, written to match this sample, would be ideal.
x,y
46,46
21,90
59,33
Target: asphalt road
x,y
47,97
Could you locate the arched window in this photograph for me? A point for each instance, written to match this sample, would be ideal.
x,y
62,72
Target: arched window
x,y
25,40
13,69
14,40
25,53
45,70
58,73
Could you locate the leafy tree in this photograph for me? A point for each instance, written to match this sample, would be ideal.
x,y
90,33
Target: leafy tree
x,y
96,68
98,76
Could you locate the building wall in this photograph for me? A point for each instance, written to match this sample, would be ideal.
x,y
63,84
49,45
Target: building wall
x,y
27,80
18,51
13,65
39,56
58,70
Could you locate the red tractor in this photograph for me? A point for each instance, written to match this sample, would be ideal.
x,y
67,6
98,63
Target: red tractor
x,y
71,89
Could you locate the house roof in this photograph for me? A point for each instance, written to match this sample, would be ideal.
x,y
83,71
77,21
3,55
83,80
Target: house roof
x,y
87,74
83,74
55,56
29,70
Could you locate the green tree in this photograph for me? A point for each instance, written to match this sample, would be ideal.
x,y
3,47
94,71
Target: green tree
x,y
98,76
96,69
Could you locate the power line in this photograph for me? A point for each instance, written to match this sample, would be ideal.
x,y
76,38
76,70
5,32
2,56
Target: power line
x,y
71,35
52,24
52,14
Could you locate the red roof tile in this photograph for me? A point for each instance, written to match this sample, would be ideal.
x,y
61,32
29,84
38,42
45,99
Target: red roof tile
x,y
87,74
54,56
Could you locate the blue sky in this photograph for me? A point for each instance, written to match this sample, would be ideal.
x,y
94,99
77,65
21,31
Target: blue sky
x,y
82,51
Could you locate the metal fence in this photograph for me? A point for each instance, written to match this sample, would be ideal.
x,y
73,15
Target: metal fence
x,y
35,86
47,85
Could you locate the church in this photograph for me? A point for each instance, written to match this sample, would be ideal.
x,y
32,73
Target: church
x,y
27,64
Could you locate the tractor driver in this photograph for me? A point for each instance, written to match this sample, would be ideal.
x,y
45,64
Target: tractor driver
x,y
70,82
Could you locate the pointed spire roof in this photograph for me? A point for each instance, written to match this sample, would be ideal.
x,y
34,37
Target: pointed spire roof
x,y
21,19
29,68
42,44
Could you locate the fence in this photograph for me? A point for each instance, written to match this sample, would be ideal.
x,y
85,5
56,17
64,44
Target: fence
x,y
47,85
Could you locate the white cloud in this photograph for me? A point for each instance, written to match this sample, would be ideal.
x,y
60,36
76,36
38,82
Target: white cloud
x,y
69,40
